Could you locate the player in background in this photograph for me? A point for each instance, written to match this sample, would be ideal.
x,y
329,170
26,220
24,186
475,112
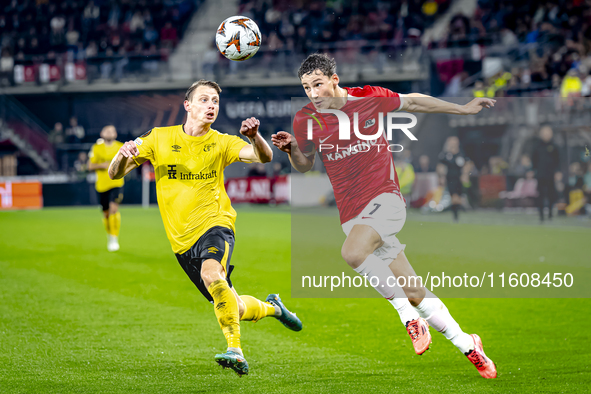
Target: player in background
x,y
371,208
455,161
110,191
546,163
189,161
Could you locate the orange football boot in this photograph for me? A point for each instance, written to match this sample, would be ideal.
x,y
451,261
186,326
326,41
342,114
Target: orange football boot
x,y
483,364
419,333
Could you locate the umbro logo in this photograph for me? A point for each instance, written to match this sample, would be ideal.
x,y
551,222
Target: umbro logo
x,y
369,123
176,148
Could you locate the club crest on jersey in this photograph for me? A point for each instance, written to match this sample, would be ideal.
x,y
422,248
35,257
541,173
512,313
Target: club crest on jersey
x,y
208,147
369,123
176,148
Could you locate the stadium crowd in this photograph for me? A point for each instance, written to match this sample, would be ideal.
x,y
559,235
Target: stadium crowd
x,y
555,39
319,25
537,180
97,31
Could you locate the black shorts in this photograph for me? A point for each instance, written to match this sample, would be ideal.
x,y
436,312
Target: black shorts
x,y
113,195
217,243
454,186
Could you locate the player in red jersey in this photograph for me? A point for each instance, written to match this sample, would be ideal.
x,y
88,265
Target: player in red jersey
x,y
367,193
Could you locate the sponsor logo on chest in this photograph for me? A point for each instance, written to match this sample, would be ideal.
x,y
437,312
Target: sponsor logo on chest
x,y
176,174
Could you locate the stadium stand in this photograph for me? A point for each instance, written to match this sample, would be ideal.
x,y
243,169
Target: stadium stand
x,y
445,48
47,41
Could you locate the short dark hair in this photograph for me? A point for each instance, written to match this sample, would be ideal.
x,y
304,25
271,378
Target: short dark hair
x,y
318,61
201,82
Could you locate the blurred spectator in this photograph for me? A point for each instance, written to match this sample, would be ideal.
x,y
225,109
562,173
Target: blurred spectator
x,y
168,35
72,36
56,135
479,90
525,187
497,165
545,161
576,195
406,176
571,85
453,158
6,65
523,167
257,169
75,133
150,34
81,165
424,164
587,181
57,36
575,176
560,192
137,22
280,169
586,82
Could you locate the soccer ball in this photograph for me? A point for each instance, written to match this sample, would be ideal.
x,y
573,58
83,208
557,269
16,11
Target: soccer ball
x,y
238,38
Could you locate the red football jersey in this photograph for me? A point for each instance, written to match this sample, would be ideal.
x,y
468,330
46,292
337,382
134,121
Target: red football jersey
x,y
358,170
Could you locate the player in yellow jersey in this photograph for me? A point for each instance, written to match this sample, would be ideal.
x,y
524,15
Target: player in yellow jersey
x,y
189,161
110,191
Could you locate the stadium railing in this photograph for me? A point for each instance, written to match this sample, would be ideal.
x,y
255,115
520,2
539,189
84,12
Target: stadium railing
x,y
26,132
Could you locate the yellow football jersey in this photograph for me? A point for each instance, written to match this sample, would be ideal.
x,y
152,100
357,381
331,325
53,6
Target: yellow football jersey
x,y
190,180
101,153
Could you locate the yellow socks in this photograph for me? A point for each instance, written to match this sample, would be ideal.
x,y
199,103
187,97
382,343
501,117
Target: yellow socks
x,y
114,224
255,309
226,310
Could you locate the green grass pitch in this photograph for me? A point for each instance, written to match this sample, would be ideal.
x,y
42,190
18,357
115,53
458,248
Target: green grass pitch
x,y
75,318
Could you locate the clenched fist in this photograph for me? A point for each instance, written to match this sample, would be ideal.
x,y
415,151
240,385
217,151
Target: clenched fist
x,y
129,149
250,127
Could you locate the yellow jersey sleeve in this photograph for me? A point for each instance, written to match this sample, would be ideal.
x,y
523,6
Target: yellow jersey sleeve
x,y
93,155
232,147
145,144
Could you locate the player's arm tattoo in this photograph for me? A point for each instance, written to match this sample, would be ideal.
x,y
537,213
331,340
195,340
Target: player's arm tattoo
x,y
114,167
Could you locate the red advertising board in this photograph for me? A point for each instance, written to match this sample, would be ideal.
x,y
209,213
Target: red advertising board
x,y
259,190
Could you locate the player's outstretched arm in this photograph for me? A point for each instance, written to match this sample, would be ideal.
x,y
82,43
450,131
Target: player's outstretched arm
x,y
98,166
285,142
416,102
259,150
123,161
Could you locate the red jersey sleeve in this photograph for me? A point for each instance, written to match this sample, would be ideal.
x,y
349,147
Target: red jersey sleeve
x,y
300,132
394,102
